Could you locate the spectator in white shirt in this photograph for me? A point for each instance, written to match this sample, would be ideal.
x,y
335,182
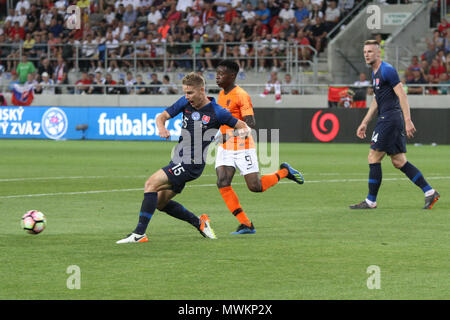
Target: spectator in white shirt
x,y
46,16
125,3
362,82
21,17
31,83
192,18
89,52
318,2
221,6
286,13
182,5
121,30
345,6
61,6
168,87
112,48
129,82
46,86
288,86
332,16
11,16
249,12
154,16
22,4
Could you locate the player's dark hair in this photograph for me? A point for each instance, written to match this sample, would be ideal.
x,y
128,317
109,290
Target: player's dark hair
x,y
230,65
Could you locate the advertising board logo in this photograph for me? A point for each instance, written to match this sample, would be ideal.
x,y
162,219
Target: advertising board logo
x,y
54,123
318,126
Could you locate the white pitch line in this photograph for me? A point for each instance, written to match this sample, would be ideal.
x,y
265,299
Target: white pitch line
x,y
63,178
145,176
65,193
194,186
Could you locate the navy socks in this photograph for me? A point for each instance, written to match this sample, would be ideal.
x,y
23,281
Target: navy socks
x,y
176,210
415,176
172,208
147,209
375,177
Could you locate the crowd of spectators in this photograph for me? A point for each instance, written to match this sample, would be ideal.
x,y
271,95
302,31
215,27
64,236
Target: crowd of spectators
x,y
137,36
433,66
115,32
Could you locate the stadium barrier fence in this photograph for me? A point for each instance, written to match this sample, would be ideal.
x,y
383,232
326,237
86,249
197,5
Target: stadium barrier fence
x,y
330,125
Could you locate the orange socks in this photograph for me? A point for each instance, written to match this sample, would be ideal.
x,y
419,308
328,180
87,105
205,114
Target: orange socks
x,y
232,202
270,180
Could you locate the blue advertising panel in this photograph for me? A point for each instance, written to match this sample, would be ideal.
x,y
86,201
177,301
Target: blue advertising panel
x,y
103,123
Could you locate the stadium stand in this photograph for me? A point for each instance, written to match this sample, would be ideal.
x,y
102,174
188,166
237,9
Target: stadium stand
x,y
111,38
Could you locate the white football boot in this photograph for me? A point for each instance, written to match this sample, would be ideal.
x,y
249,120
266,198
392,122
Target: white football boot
x,y
134,238
205,228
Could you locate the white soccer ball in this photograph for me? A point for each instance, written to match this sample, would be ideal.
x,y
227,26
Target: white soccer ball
x,y
34,222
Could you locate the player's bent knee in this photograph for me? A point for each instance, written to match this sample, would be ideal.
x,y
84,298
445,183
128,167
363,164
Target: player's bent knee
x,y
223,182
255,187
162,204
398,164
150,186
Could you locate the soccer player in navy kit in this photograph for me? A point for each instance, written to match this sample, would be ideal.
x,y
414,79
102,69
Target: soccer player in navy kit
x,y
202,117
394,121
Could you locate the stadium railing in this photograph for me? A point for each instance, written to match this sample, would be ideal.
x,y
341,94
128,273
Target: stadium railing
x,y
288,55
302,89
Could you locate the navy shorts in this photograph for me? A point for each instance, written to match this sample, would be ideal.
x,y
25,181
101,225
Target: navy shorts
x,y
389,135
181,173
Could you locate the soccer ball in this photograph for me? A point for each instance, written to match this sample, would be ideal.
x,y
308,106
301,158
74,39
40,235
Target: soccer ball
x,y
33,222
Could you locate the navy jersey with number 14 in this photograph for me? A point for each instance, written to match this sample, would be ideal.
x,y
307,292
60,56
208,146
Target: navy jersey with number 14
x,y
389,133
383,82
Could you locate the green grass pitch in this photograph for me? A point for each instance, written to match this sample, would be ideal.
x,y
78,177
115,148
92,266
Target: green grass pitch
x,y
308,244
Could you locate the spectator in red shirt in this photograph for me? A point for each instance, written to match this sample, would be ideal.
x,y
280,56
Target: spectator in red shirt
x,y
277,27
230,14
82,85
110,89
173,14
260,29
436,69
207,12
7,29
17,29
443,26
304,53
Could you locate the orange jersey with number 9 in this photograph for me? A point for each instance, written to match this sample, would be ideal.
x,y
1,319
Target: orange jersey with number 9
x,y
238,102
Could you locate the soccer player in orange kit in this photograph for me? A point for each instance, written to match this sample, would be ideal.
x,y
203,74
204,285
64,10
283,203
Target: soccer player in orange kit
x,y
241,153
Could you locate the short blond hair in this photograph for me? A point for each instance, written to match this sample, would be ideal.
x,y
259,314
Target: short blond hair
x,y
194,80
370,42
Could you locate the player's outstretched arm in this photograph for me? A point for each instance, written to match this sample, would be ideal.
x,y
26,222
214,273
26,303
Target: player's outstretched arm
x,y
223,138
403,99
361,131
161,124
250,121
242,129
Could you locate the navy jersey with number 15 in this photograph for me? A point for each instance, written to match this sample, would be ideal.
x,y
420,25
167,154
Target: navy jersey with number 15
x,y
383,83
198,129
